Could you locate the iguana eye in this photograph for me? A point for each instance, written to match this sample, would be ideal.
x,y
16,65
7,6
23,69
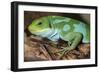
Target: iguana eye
x,y
39,23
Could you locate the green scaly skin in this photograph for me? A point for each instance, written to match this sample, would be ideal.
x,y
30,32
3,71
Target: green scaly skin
x,y
59,27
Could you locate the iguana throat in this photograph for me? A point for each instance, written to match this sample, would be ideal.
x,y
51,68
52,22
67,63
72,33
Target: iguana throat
x,y
49,33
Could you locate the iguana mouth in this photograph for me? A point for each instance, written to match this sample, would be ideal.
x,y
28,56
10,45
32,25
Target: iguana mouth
x,y
39,30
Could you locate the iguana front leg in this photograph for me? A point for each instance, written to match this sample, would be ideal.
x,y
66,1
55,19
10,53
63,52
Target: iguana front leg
x,y
74,38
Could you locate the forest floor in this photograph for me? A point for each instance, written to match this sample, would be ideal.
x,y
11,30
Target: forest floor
x,y
36,49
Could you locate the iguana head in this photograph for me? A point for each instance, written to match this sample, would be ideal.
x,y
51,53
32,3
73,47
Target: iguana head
x,y
39,25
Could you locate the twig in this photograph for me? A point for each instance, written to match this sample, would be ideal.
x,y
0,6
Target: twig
x,y
45,51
